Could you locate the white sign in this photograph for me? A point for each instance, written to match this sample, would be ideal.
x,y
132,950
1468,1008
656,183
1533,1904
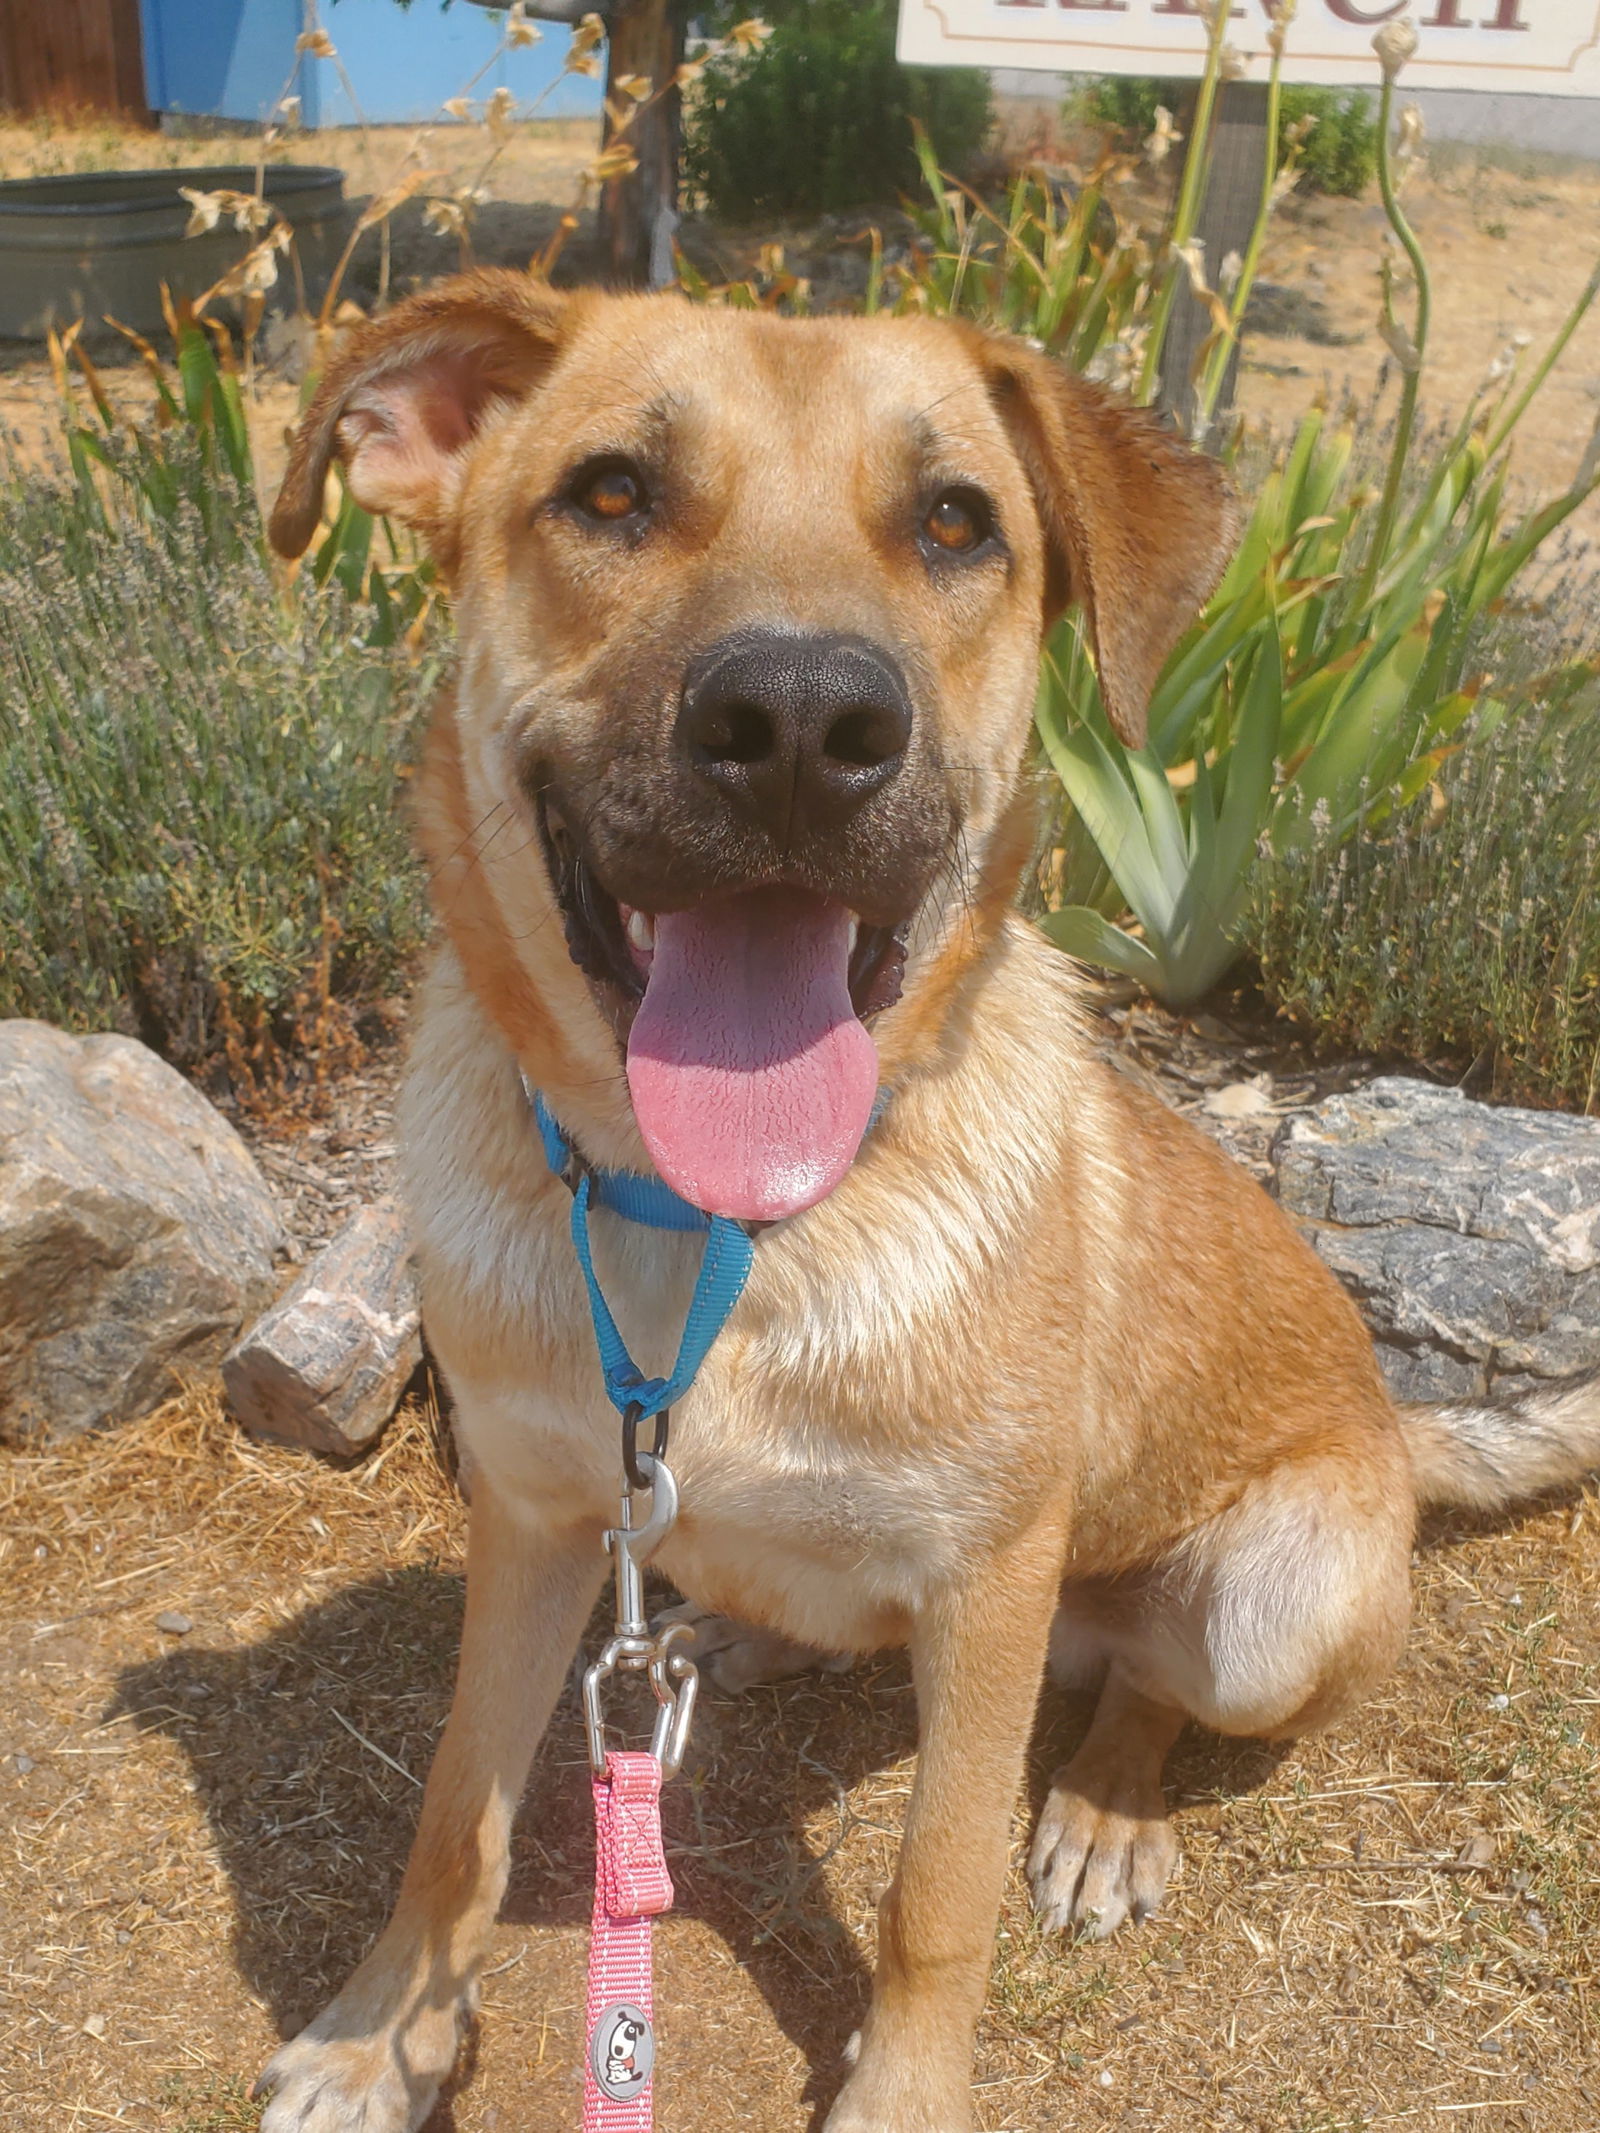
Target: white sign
x,y
1539,47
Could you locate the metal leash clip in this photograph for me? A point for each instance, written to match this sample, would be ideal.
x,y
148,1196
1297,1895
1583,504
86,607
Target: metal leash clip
x,y
635,1647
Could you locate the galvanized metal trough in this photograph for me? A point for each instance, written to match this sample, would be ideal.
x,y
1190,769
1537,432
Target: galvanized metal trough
x,y
104,241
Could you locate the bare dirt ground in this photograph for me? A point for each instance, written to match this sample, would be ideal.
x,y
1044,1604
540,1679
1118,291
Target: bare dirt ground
x,y
1395,1925
1509,253
540,160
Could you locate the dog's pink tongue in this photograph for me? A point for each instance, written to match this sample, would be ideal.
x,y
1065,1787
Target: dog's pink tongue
x,y
752,1079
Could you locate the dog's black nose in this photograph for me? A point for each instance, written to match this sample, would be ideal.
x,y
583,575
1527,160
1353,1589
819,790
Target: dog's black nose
x,y
798,729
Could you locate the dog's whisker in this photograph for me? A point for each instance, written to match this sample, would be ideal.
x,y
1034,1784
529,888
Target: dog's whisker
x,y
478,855
456,852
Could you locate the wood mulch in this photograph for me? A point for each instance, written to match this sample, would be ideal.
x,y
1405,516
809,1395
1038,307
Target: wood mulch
x,y
327,1158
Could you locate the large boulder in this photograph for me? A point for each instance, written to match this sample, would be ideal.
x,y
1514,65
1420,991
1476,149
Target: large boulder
x,y
1468,1234
326,1365
136,1233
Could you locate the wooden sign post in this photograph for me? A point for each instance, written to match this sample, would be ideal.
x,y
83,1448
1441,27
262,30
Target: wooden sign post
x,y
1239,152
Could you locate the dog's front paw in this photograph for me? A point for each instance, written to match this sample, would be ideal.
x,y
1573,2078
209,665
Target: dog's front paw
x,y
734,1656
326,2082
897,2087
873,2106
1092,1866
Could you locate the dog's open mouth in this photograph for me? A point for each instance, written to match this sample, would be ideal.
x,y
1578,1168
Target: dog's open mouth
x,y
752,1072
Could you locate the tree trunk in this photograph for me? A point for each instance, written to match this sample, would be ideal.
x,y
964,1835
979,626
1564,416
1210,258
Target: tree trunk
x,y
639,213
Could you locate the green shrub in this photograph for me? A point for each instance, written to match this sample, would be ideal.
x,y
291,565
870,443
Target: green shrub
x,y
199,841
822,117
1339,154
1128,102
1336,667
1466,931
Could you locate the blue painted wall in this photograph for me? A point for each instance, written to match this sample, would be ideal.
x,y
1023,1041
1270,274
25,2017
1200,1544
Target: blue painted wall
x,y
218,58
232,59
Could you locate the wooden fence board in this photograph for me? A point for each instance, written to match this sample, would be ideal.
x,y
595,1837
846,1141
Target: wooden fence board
x,y
71,55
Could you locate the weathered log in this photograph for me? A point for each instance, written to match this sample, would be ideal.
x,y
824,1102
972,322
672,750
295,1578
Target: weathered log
x,y
326,1365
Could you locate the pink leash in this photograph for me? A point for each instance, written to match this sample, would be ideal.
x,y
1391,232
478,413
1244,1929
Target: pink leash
x,y
631,1888
631,1884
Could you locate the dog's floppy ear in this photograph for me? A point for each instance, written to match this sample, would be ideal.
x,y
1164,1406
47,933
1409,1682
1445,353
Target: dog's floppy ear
x,y
402,401
1138,525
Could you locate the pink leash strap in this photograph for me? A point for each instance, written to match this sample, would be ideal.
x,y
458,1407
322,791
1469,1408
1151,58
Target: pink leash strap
x,y
631,1885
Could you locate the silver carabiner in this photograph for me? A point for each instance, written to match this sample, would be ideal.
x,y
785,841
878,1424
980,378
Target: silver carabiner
x,y
633,1546
594,1722
634,1647
676,1681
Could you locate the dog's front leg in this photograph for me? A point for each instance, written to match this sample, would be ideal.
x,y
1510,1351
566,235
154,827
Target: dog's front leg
x,y
978,1655
373,2060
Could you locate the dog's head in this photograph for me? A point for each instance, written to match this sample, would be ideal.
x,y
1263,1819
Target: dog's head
x,y
750,613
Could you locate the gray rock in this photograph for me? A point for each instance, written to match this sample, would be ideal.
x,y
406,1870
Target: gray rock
x,y
136,1233
326,1366
1468,1234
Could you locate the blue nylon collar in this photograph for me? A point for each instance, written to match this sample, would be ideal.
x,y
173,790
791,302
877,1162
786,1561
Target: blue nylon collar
x,y
724,1267
626,1192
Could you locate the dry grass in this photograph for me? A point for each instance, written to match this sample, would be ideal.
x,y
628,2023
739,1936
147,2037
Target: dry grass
x,y
213,1826
541,154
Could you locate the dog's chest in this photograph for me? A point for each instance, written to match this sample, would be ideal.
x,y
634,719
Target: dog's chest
x,y
833,1470
828,1540
789,1517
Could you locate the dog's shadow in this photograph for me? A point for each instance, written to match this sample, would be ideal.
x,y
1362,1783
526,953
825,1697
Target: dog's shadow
x,y
305,1748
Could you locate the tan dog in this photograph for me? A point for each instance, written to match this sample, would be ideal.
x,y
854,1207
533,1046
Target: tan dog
x,y
749,615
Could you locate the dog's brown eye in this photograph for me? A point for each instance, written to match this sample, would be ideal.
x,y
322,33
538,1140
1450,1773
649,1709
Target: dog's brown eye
x,y
958,522
610,492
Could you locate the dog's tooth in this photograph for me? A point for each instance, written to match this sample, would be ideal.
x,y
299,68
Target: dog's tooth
x,y
850,937
641,932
